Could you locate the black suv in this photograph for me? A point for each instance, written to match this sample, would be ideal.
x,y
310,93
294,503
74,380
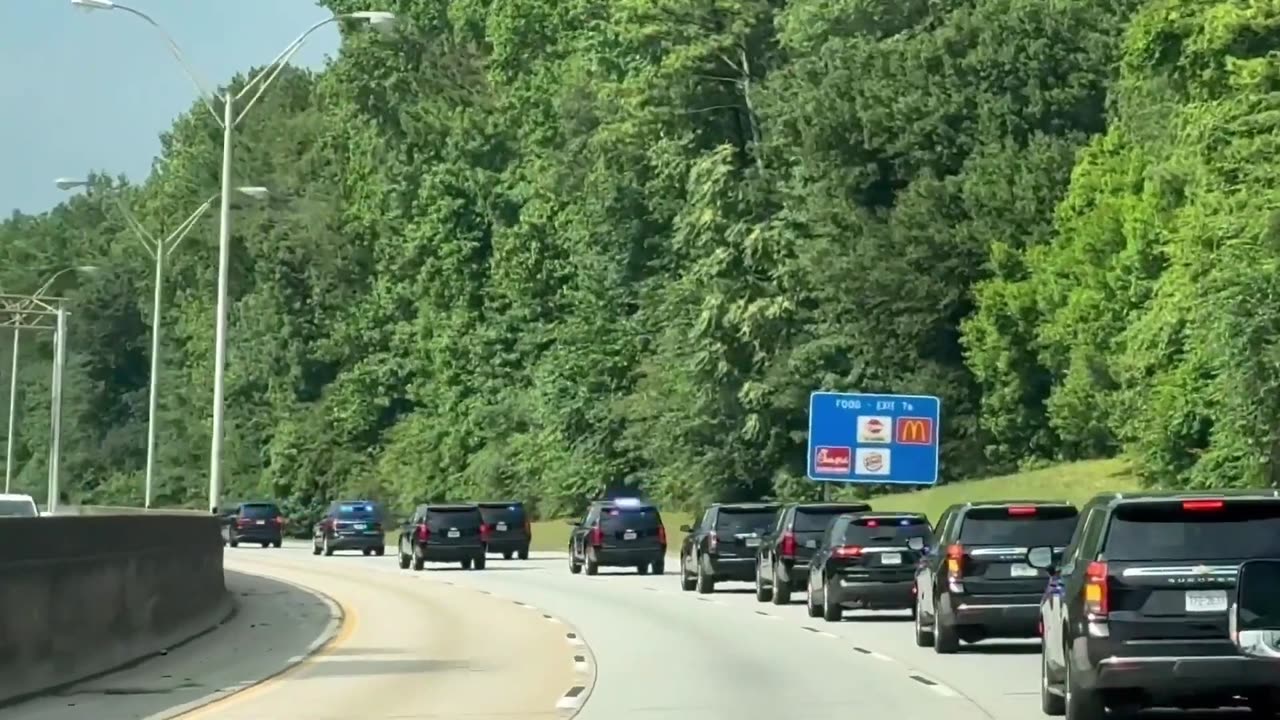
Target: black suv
x,y
1136,613
782,560
446,534
350,525
509,531
618,533
254,522
975,583
723,545
865,562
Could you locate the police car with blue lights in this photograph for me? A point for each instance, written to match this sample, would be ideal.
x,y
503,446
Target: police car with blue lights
x,y
622,532
350,525
867,561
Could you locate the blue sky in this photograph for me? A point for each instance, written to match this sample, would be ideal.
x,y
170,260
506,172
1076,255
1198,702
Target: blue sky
x,y
88,92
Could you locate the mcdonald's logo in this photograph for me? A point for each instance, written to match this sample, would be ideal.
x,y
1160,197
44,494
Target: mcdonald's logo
x,y
914,431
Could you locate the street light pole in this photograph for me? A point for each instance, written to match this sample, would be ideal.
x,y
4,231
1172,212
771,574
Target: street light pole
x,y
13,409
220,333
55,412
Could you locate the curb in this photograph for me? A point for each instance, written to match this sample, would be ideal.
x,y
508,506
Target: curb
x,y
326,636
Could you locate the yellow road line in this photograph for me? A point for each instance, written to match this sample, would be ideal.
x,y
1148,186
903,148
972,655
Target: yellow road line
x,y
339,639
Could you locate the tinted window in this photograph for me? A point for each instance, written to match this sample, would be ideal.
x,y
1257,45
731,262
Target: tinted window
x,y
362,511
886,531
1238,531
996,526
735,521
629,518
817,519
17,508
259,511
453,517
513,514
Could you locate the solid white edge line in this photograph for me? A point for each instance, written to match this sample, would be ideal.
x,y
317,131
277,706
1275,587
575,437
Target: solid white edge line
x,y
944,691
581,667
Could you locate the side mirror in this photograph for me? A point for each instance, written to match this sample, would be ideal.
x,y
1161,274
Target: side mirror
x,y
1041,558
686,528
915,543
1254,619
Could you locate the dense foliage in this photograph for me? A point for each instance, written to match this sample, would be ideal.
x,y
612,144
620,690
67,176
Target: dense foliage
x,y
536,247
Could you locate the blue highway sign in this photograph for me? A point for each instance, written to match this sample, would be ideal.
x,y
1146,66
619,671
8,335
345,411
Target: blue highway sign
x,y
874,439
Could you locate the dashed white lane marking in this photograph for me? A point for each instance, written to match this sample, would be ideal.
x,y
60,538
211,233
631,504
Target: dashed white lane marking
x,y
574,639
571,699
826,634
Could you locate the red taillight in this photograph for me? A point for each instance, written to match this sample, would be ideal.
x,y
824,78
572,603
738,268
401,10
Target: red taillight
x,y
873,523
1202,505
1022,510
528,530
597,536
1095,589
846,551
662,535
244,522
484,532
424,533
279,521
955,557
788,544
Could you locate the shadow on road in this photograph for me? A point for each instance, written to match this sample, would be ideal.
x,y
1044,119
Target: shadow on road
x,y
406,666
1002,648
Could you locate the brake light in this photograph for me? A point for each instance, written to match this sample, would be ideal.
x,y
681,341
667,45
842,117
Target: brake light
x,y
1095,589
280,520
528,530
484,532
662,535
846,551
1022,510
244,522
873,523
788,544
597,536
955,560
1202,505
424,533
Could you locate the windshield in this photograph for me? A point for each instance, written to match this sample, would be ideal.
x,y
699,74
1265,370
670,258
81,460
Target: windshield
x,y
1238,531
462,518
995,526
18,508
886,531
735,521
257,512
630,519
511,514
818,519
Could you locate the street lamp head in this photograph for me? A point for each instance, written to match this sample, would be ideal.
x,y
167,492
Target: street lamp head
x,y
87,269
94,4
377,19
257,192
70,183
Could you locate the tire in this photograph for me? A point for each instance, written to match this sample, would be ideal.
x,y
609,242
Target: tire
x,y
266,545
763,594
704,582
234,543
575,567
466,564
419,562
523,554
315,549
593,567
479,562
328,551
924,635
1080,704
812,609
277,543
781,590
506,554
1050,704
643,568
380,550
831,612
366,552
687,581
945,639
403,559
659,566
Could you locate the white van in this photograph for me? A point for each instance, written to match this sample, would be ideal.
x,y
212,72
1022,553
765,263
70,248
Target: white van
x,y
13,505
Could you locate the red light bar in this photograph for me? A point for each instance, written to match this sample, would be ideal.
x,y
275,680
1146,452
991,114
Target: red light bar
x,y
1022,510
872,523
1202,504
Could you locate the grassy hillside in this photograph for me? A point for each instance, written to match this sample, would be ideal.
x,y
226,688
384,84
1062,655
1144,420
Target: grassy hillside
x,y
1074,482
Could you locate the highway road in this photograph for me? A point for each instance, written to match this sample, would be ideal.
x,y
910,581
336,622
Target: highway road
x,y
529,640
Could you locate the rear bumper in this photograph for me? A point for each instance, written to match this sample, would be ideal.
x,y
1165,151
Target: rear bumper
x,y
448,553
625,557
1001,616
356,542
508,544
253,534
734,568
1151,680
894,595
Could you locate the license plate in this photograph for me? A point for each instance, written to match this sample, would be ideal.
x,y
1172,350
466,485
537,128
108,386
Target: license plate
x,y
752,542
890,558
262,522
1020,570
453,533
359,526
629,535
1206,601
502,527
811,543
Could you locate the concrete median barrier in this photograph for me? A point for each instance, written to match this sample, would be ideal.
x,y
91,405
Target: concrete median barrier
x,y
80,596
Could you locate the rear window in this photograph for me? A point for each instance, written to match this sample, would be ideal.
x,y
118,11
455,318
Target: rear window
x,y
17,508
513,513
816,519
259,511
886,531
357,510
630,519
1052,525
453,517
1165,531
742,520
